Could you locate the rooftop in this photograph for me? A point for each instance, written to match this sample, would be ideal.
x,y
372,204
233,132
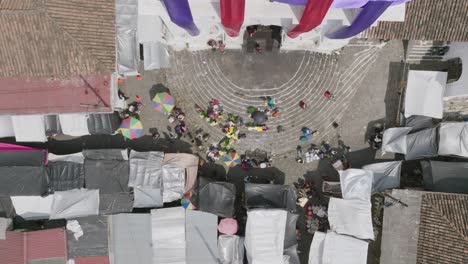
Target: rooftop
x,y
427,20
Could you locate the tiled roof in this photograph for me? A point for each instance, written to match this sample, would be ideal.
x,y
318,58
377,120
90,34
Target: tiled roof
x,y
440,20
443,230
56,38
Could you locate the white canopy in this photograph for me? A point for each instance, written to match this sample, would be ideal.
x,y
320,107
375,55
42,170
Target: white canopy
x,y
351,217
356,184
202,237
424,93
75,203
156,56
29,128
453,139
264,236
332,248
231,249
6,127
74,124
394,140
386,175
32,207
168,235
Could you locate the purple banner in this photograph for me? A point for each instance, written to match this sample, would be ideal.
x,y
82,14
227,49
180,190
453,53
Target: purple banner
x,y
368,15
180,14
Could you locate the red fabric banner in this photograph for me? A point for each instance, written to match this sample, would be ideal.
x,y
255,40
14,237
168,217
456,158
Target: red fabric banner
x,y
312,16
232,16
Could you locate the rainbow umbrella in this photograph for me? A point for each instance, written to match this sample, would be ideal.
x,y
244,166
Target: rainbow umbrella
x,y
131,128
163,102
186,203
232,159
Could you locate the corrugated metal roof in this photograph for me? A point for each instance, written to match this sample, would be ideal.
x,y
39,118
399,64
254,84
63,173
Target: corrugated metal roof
x,y
92,260
130,239
18,248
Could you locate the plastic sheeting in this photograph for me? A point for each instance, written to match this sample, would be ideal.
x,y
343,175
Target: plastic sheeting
x,y
356,184
418,123
147,197
168,235
156,56
187,161
74,124
5,224
313,15
130,239
6,127
103,123
173,183
270,196
332,248
126,12
231,249
181,15
351,217
115,203
75,203
6,207
217,198
394,140
424,93
23,180
52,125
32,207
32,157
145,169
93,242
232,16
421,144
29,128
453,139
367,16
202,237
386,175
290,239
264,236
64,176
75,157
450,177
106,170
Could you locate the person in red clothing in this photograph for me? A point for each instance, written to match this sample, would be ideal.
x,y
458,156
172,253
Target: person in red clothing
x,y
302,105
328,95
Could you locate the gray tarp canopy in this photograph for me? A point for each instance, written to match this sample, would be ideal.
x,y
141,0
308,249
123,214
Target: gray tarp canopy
x,y
64,175
106,170
217,198
52,125
103,123
115,203
417,122
6,207
146,178
22,158
270,196
450,177
201,237
94,239
290,239
421,144
23,180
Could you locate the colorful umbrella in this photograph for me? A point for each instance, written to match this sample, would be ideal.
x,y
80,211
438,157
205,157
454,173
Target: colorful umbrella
x,y
186,203
163,102
232,159
131,128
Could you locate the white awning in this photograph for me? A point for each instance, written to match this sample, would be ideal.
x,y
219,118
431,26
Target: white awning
x,y
75,203
351,217
386,175
453,139
394,140
332,248
356,184
32,207
29,128
424,93
74,124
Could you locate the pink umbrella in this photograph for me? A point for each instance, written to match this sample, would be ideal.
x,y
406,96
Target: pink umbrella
x,y
228,226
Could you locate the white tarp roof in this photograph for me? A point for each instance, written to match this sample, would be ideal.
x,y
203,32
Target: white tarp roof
x,y
168,235
264,236
394,140
173,183
356,184
202,237
32,207
332,248
74,124
231,249
74,157
75,203
147,197
424,93
6,127
126,12
156,56
351,217
453,139
386,175
145,169
29,128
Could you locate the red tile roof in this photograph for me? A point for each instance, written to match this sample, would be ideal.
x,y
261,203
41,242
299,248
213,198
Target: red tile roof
x,y
18,248
92,260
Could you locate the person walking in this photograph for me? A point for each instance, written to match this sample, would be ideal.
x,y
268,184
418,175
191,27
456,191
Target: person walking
x,y
327,94
302,105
